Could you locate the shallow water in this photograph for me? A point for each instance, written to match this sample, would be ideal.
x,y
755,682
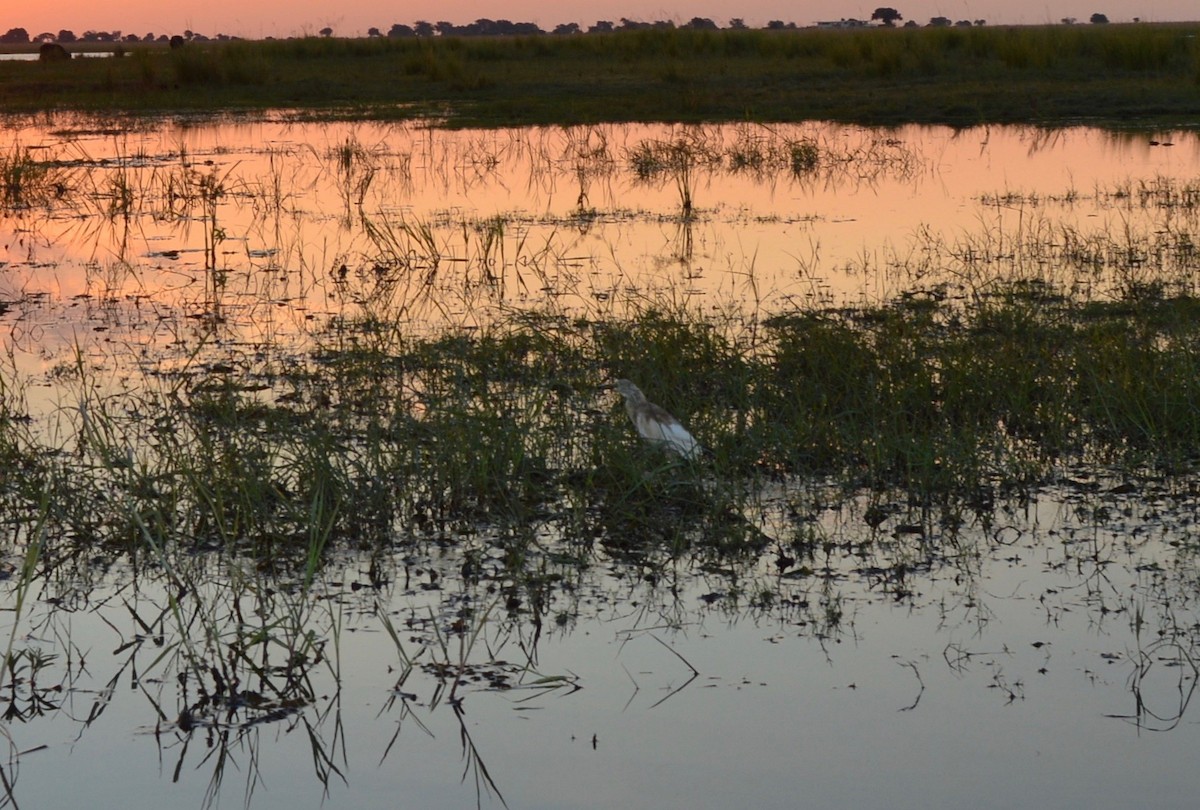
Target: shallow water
x,y
1015,671
274,227
1042,652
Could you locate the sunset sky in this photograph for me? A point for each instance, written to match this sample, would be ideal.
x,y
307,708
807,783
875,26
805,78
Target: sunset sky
x,y
260,18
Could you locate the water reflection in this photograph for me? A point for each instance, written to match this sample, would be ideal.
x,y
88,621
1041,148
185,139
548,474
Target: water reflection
x,y
1057,608
268,226
216,330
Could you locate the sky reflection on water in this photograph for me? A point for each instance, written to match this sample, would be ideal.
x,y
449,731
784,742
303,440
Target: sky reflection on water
x,y
1005,679
1045,656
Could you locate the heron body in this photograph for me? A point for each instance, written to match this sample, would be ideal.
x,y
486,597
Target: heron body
x,y
655,424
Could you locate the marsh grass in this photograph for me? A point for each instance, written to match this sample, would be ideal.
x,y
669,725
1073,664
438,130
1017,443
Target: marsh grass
x,y
1111,73
26,181
1012,354
409,438
507,427
698,152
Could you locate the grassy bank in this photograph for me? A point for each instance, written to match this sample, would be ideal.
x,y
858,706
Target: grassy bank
x,y
1104,74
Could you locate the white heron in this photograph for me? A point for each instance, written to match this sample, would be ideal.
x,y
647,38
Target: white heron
x,y
655,424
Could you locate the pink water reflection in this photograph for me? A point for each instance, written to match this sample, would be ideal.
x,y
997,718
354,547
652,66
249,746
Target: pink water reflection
x,y
268,228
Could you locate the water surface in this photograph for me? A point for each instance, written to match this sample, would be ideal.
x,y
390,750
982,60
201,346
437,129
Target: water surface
x,y
1041,650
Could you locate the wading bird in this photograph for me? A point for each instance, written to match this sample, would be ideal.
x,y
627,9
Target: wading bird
x,y
655,424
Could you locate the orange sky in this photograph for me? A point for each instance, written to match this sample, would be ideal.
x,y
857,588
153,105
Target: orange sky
x,y
352,17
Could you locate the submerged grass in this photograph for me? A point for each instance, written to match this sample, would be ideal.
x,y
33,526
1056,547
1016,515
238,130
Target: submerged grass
x,y
1034,74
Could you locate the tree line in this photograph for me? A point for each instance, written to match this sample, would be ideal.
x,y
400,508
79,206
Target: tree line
x,y
886,16
421,28
20,36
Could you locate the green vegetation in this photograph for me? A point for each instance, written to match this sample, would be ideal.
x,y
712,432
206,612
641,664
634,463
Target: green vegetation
x,y
382,436
1106,75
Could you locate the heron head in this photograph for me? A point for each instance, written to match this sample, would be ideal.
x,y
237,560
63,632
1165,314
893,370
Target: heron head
x,y
628,390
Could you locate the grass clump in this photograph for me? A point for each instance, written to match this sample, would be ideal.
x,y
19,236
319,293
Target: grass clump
x,y
26,181
506,431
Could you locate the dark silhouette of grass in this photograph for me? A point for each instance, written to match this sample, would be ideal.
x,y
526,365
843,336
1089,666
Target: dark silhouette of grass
x,y
1109,75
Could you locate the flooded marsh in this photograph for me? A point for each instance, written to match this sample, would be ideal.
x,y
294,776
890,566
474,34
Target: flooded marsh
x,y
314,488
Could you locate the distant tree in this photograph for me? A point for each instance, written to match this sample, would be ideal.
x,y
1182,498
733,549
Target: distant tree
x,y
65,36
398,30
132,38
911,24
1069,21
776,25
1099,19
962,24
980,22
940,22
45,36
700,24
374,32
601,27
481,27
737,24
15,35
177,42
424,28
566,28
887,16
484,27
444,28
326,32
